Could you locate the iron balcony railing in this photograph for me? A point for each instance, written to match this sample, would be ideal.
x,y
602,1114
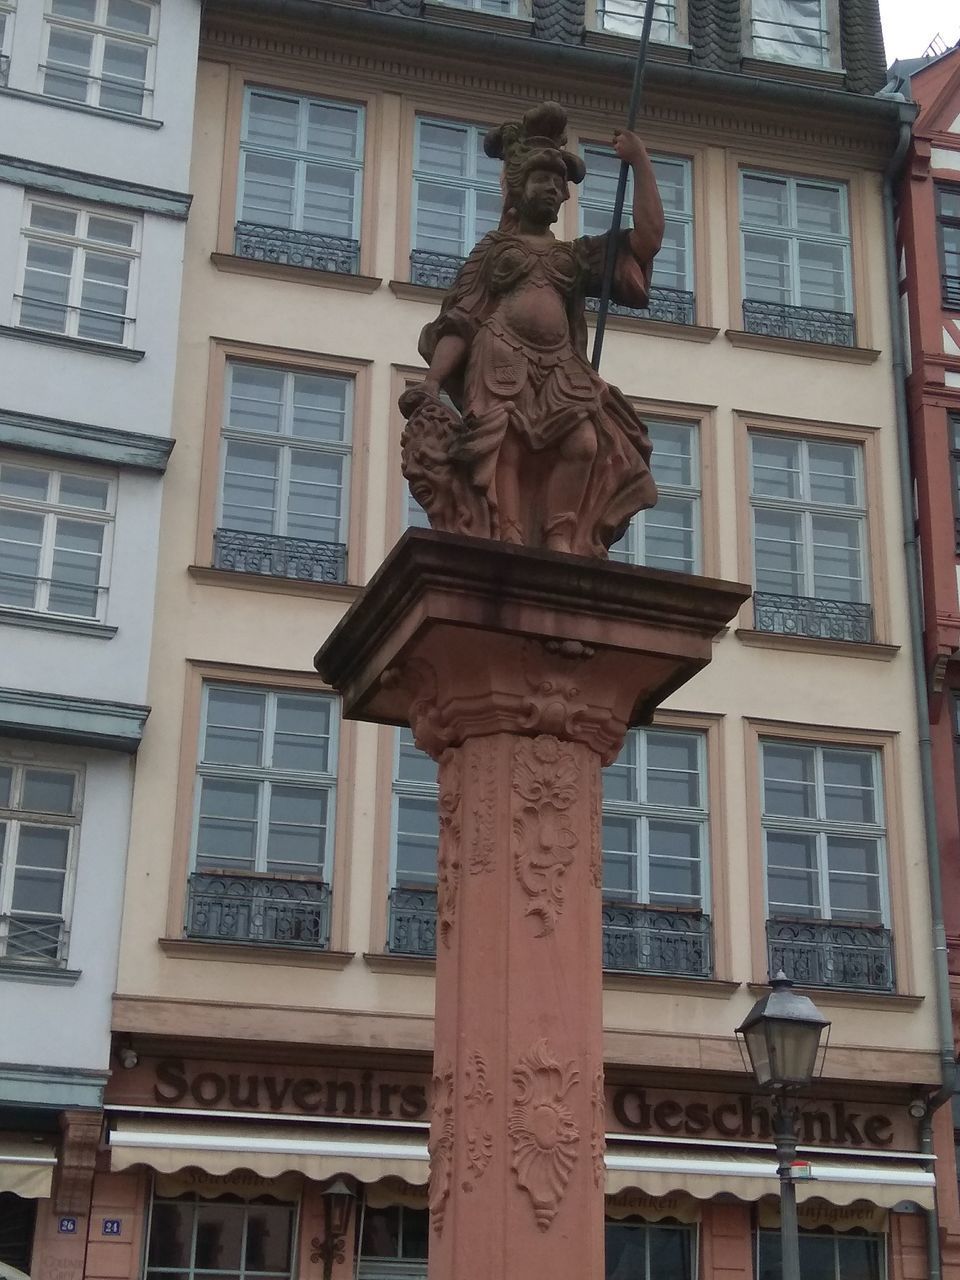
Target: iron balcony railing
x,y
635,939
32,939
818,619
277,557
289,248
803,324
950,291
280,911
829,953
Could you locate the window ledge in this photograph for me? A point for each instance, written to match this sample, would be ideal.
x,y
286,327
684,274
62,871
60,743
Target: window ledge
x,y
415,292
343,591
51,622
399,962
847,999
517,24
101,112
616,42
301,275
72,344
795,347
712,988
253,953
774,69
35,973
814,644
657,328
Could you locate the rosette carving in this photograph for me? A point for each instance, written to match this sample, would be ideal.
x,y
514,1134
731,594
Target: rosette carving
x,y
546,779
448,853
440,1146
478,1097
542,1129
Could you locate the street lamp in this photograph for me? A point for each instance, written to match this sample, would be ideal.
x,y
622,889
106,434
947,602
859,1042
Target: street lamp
x,y
338,1201
782,1037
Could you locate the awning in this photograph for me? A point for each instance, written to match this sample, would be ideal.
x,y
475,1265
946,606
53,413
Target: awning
x,y
26,1168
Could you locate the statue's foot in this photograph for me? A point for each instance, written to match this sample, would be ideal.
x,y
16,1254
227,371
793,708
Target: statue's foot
x,y
558,533
512,532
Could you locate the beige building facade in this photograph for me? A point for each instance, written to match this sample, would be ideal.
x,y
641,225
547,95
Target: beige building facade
x,y
274,1004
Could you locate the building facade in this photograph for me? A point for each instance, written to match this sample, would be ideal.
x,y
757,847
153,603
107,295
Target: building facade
x,y
272,1022
96,100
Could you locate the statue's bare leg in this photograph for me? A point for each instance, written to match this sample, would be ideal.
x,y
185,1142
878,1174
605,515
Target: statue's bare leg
x,y
509,462
567,485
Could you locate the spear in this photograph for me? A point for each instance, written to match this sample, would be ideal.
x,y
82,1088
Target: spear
x,y
610,258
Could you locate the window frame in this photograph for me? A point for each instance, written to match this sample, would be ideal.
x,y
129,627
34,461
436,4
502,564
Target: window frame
x,y
692,1229
636,533
795,235
879,1237
678,35
949,284
51,513
953,441
513,9
365,1263
9,849
8,11
400,788
829,48
301,158
263,774
191,1271
285,442
100,33
471,186
80,245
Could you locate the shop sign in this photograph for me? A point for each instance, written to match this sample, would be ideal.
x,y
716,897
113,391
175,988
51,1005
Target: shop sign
x,y
859,1216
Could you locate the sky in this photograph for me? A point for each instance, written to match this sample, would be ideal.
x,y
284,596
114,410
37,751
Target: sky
x,y
910,25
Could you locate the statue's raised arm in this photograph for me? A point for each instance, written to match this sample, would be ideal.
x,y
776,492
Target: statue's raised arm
x,y
542,452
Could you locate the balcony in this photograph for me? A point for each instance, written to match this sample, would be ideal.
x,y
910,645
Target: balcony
x,y
825,953
635,939
223,906
288,248
32,940
950,291
672,306
803,324
434,270
277,557
815,619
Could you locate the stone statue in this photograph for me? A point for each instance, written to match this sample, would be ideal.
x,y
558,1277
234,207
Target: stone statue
x,y
542,453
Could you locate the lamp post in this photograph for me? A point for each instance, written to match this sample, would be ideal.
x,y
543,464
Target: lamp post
x,y
338,1201
782,1037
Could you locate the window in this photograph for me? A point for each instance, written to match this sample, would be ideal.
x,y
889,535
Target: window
x,y
225,1237
796,259
671,295
506,8
625,18
301,173
6,37
823,832
101,52
39,828
78,273
809,538
825,1256
55,531
267,776
638,1250
456,198
286,472
953,425
415,824
392,1241
948,223
668,535
18,1223
791,31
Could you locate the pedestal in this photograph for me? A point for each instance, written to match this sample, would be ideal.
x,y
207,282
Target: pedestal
x,y
520,672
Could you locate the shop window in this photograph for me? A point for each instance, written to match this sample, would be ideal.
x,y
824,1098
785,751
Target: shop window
x,y
625,18
77,277
39,832
824,842
301,181
393,1243
456,198
948,230
639,1250
795,249
284,493
18,1219
825,1256
672,286
263,824
668,535
101,53
7,8
226,1237
794,31
810,538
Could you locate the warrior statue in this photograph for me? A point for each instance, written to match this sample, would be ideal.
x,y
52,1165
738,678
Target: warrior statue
x,y
543,453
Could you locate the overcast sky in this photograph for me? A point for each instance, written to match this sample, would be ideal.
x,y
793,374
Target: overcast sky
x,y
910,25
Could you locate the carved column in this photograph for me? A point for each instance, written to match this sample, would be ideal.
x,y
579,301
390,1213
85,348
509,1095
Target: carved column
x,y
520,672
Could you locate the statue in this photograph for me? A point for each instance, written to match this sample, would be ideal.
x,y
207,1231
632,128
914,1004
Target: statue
x,y
539,451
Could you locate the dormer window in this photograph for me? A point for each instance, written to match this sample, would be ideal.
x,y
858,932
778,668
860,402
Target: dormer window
x,y
795,31
625,18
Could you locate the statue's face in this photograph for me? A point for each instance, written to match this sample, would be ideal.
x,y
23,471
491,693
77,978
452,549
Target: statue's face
x,y
543,193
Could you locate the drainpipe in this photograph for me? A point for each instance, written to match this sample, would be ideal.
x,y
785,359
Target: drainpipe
x,y
948,1064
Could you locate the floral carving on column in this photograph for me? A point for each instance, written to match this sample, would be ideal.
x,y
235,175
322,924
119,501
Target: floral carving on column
x,y
448,853
440,1146
483,777
478,1097
546,778
596,829
598,1141
543,1132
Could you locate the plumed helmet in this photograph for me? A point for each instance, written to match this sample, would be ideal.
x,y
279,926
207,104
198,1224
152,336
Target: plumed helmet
x,y
538,141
